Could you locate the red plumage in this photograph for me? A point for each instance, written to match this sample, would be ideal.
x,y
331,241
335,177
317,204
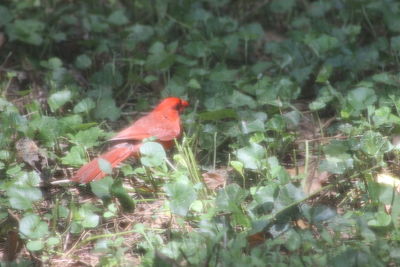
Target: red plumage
x,y
163,123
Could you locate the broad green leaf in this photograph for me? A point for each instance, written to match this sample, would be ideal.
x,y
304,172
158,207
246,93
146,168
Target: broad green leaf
x,y
324,74
22,197
337,164
359,99
287,195
253,31
140,33
395,43
31,178
83,62
70,123
91,220
108,77
322,44
53,241
238,99
264,194
26,30
86,216
58,99
152,154
88,138
48,128
104,165
230,198
293,241
325,96
118,18
322,213
75,157
374,144
383,115
251,156
197,49
101,188
32,227
386,78
107,109
5,15
381,219
238,166
193,83
181,196
35,245
223,75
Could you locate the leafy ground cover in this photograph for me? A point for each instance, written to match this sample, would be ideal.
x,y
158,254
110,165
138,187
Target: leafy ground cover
x,y
291,146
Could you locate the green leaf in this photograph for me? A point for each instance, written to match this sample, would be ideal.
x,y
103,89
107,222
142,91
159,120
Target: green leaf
x,y
223,75
32,227
359,99
104,165
48,128
230,198
253,31
384,116
293,241
287,195
152,154
83,62
87,217
386,78
374,144
322,213
161,8
140,33
322,43
381,219
193,83
325,95
22,197
70,123
395,43
238,99
101,188
181,196
53,241
75,157
251,156
282,6
26,30
85,105
107,109
264,194
58,99
238,166
35,245
5,15
118,18
88,138
324,74
337,164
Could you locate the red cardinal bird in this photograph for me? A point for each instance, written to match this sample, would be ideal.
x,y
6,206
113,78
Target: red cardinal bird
x,y
162,123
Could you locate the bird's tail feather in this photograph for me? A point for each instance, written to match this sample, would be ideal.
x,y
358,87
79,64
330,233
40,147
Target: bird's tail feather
x,y
91,171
